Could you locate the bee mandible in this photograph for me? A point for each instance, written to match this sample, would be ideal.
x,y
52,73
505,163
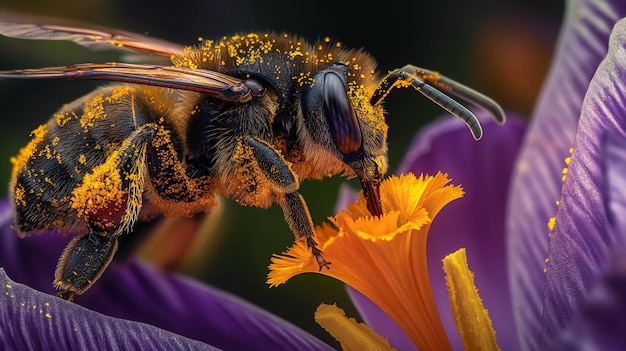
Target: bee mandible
x,y
248,116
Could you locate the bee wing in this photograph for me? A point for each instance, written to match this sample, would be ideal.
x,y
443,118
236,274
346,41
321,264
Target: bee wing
x,y
199,80
95,38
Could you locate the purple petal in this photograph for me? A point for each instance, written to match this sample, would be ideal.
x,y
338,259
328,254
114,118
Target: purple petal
x,y
134,291
536,183
32,320
601,321
31,260
582,241
137,292
346,197
475,221
614,169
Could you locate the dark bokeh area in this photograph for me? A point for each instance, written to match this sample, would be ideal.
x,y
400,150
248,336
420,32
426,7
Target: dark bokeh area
x,y
502,49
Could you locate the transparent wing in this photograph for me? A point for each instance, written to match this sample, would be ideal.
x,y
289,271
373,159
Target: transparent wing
x,y
204,81
96,38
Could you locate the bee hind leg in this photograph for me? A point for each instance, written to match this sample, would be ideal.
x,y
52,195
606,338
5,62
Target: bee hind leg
x,y
108,200
285,181
82,263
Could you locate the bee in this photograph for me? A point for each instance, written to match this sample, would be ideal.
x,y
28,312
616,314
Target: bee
x,y
248,116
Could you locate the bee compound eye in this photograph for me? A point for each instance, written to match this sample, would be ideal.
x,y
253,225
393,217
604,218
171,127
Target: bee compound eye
x,y
342,121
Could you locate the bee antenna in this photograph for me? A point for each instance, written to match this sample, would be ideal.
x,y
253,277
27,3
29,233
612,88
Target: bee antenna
x,y
431,84
453,107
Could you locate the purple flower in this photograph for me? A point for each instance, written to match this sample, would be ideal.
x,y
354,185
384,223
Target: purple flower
x,y
545,230
543,221
182,314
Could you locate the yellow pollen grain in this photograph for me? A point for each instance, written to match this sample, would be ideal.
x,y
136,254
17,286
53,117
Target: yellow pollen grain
x,y
30,150
551,223
117,94
18,195
93,111
101,189
61,118
8,286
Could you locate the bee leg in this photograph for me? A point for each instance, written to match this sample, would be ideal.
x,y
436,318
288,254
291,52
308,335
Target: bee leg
x,y
109,201
168,176
82,263
285,181
298,218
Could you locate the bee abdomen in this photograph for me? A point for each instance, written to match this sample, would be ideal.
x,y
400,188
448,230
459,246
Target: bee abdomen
x,y
74,143
40,184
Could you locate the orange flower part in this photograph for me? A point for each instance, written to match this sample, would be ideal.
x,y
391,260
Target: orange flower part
x,y
470,316
351,334
384,257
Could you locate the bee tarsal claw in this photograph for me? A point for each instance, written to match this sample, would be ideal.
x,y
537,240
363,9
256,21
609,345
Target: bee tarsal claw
x,y
321,261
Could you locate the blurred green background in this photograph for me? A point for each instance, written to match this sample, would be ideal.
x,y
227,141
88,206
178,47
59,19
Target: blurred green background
x,y
501,48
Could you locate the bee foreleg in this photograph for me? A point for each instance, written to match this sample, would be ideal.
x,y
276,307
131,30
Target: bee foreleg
x,y
82,263
285,181
273,165
299,220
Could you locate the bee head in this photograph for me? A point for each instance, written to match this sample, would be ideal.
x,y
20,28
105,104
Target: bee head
x,y
339,118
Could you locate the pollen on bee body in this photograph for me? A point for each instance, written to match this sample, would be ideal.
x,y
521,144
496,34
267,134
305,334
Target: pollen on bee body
x,y
62,118
117,94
